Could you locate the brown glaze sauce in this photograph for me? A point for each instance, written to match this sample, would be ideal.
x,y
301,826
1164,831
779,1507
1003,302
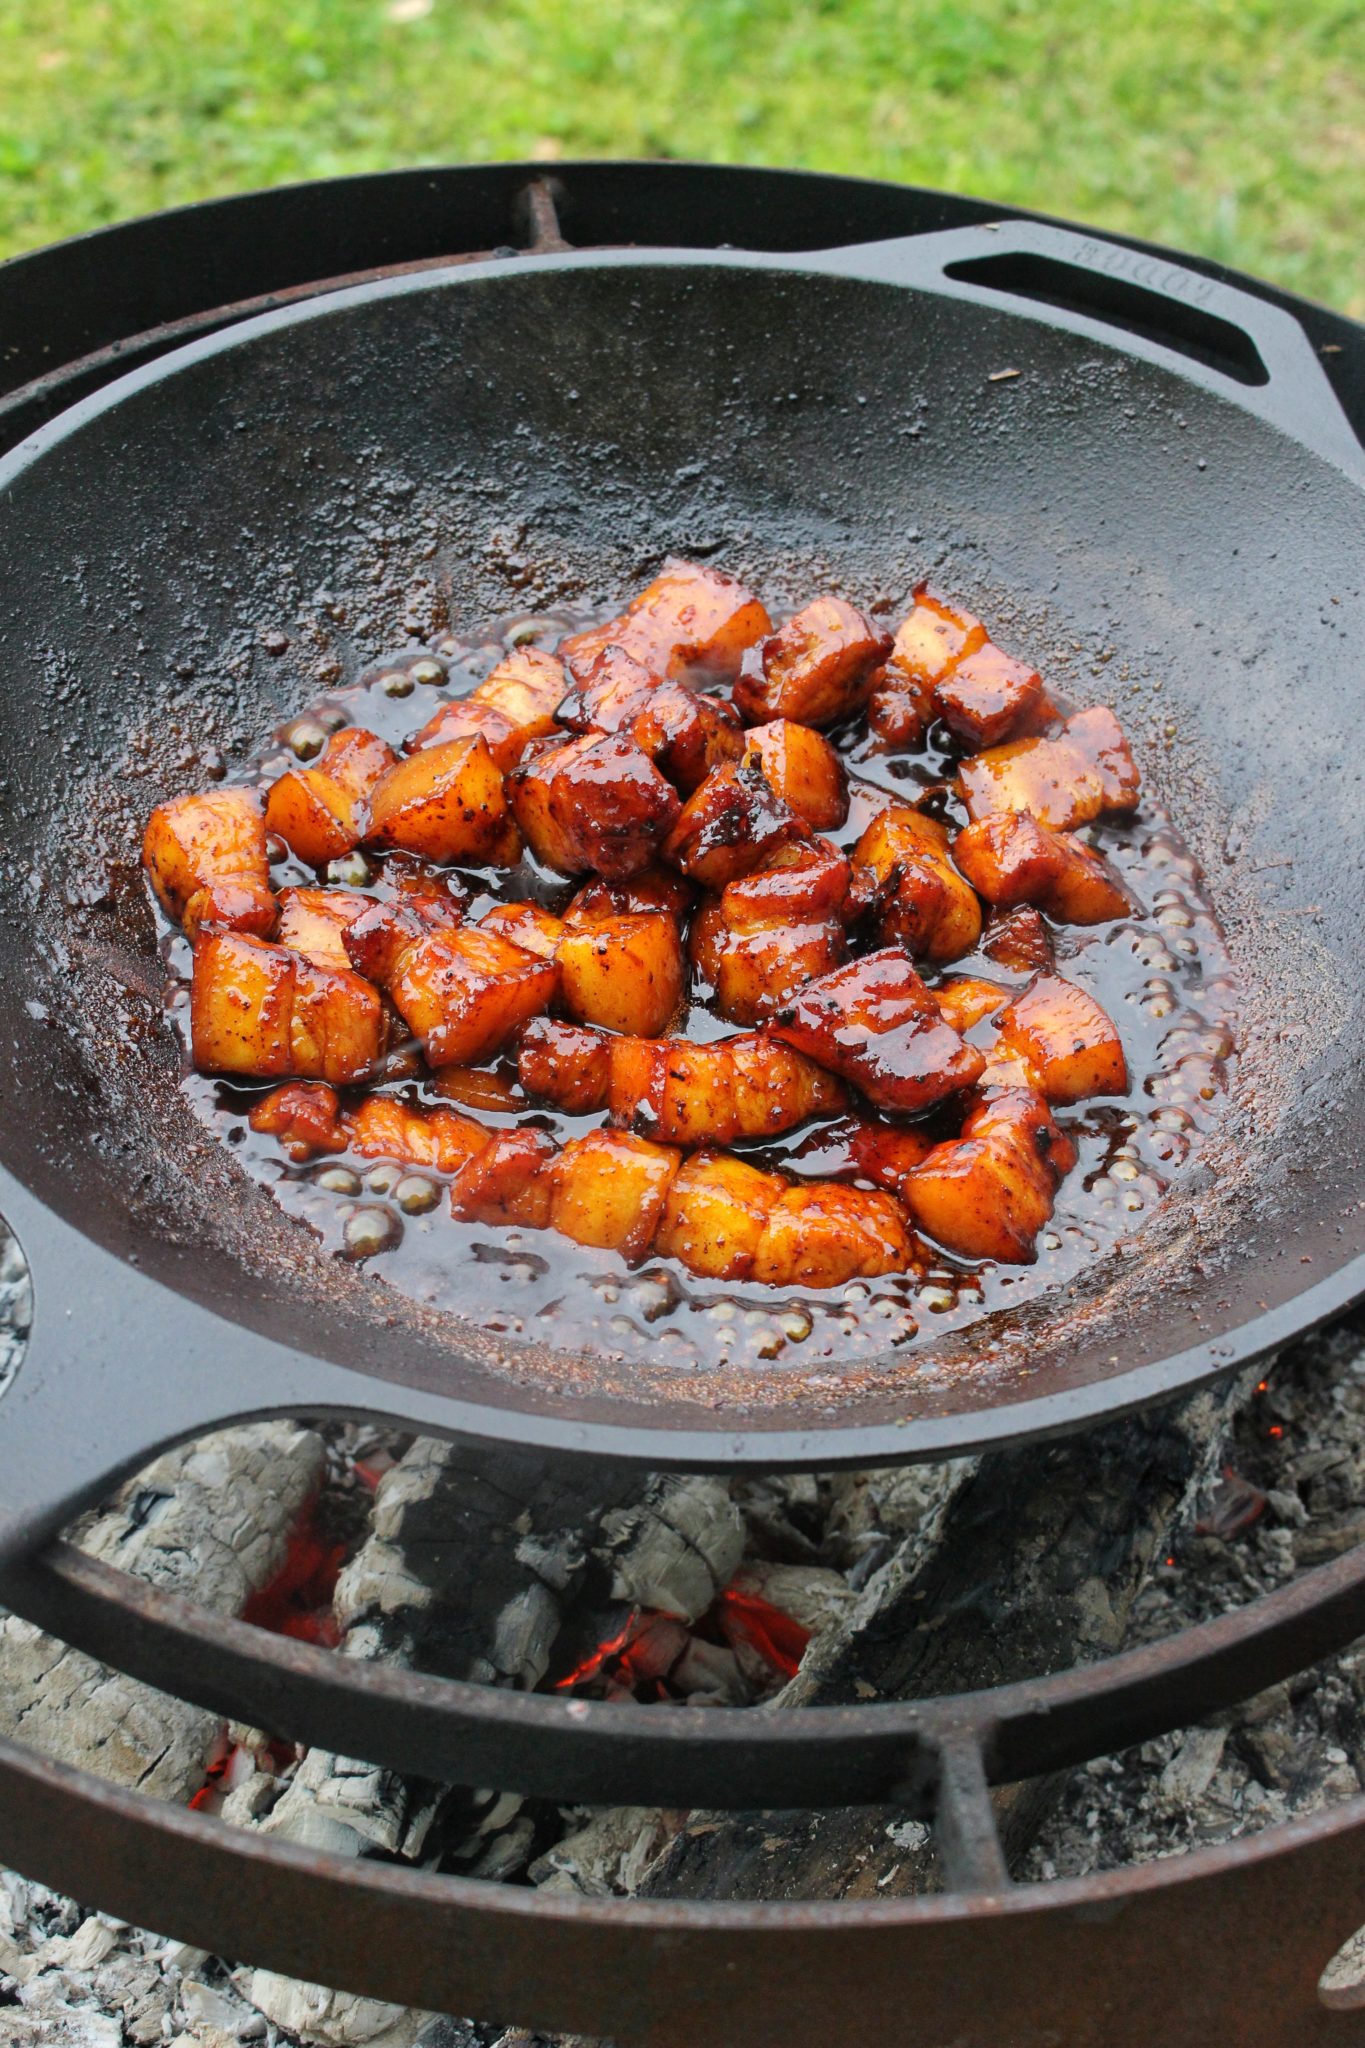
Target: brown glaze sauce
x,y
1165,978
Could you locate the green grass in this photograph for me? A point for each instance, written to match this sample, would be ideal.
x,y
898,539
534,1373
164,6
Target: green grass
x,y
1234,127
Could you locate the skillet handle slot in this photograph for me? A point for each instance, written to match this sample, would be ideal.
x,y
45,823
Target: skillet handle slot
x,y
117,1368
1226,339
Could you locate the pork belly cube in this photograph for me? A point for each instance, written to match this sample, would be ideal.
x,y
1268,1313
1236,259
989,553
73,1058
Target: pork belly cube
x,y
597,803
807,879
626,973
987,695
752,970
1020,941
715,1215
609,1189
447,803
686,1094
313,920
606,691
382,1127
689,622
827,1234
466,720
921,898
931,640
508,1181
1082,772
1068,1040
730,826
1087,888
567,1064
966,999
525,688
874,1022
206,858
862,1148
466,992
987,1194
1011,859
816,669
684,734
305,1117
320,812
260,1009
377,941
479,1088
656,889
802,769
687,735
526,925
899,713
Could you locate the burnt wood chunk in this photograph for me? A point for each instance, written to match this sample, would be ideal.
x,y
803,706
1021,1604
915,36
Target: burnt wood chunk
x,y
874,1022
1011,859
596,804
919,898
816,669
1081,773
446,803
1067,1039
206,858
802,769
689,622
627,973
609,1189
260,1009
729,826
322,812
987,1194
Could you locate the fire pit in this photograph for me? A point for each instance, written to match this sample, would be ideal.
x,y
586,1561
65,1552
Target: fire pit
x,y
953,1635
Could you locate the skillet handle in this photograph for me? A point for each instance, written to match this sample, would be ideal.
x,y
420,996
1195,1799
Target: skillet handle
x,y
1226,339
119,1367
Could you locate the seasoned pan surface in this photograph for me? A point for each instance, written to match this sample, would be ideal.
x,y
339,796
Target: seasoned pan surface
x,y
462,446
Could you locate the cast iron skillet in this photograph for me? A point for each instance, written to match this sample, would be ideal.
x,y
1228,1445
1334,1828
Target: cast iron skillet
x,y
1168,476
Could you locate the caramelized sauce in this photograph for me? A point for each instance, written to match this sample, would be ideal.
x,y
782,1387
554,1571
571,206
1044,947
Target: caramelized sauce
x,y
1165,978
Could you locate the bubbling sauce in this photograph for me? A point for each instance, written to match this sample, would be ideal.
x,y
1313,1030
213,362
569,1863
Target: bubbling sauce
x,y
1165,977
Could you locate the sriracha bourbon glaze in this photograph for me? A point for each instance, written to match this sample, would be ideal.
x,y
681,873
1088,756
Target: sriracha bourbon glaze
x,y
1162,973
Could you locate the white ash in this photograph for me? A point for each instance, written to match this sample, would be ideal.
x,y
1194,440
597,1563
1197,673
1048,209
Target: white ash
x,y
825,1550
1300,1746
211,1518
678,1548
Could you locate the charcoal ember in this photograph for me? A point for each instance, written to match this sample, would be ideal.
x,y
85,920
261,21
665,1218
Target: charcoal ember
x,y
605,1854
211,1520
677,1548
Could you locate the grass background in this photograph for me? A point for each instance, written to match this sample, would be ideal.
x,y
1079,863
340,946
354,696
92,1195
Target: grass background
x,y
1233,127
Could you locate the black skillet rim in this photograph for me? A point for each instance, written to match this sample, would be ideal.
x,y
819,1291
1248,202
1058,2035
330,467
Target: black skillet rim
x,y
313,1385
